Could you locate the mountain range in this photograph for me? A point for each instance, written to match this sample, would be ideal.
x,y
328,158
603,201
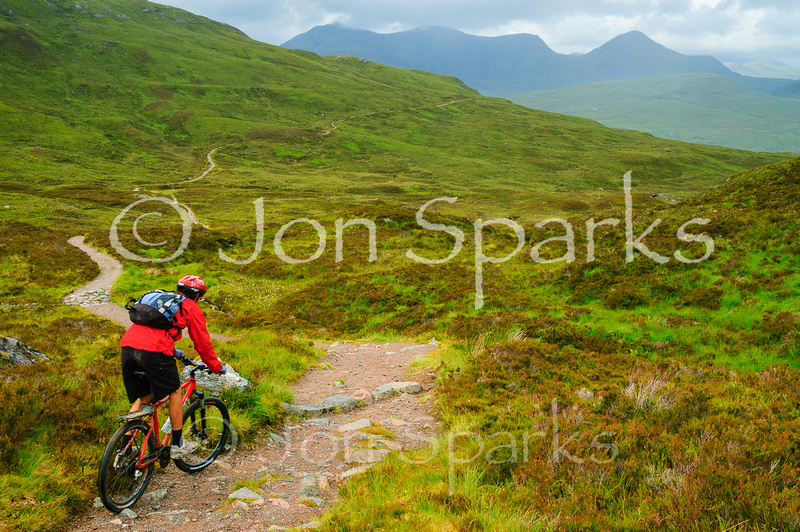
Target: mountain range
x,y
629,82
509,64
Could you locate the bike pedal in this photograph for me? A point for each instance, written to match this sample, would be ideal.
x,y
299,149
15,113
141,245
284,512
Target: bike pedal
x,y
164,457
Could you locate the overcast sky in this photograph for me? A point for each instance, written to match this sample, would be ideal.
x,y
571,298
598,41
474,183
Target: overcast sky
x,y
726,29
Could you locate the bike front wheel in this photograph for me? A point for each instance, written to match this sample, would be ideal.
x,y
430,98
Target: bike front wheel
x,y
122,478
207,423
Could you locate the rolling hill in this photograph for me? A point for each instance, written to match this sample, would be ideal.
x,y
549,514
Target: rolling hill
x,y
765,69
702,108
790,91
112,96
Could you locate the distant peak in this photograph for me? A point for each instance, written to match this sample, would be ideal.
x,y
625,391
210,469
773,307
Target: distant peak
x,y
632,37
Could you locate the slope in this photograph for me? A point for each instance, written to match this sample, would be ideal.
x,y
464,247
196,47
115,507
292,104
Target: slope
x,y
616,399
691,107
790,91
113,96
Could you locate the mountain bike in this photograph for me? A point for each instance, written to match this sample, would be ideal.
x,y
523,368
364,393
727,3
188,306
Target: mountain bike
x,y
126,468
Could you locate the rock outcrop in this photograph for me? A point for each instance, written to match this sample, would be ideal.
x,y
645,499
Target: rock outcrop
x,y
13,352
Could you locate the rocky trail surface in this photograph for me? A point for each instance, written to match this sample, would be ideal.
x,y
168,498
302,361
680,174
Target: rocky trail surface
x,y
293,473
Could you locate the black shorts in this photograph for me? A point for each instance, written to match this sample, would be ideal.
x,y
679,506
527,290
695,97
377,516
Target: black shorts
x,y
161,370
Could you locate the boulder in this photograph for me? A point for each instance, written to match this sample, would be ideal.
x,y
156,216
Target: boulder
x,y
215,384
13,352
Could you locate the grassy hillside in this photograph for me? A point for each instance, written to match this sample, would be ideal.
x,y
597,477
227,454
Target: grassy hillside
x,y
699,108
108,102
632,397
791,91
766,69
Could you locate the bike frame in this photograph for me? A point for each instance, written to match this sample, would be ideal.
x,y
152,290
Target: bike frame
x,y
189,387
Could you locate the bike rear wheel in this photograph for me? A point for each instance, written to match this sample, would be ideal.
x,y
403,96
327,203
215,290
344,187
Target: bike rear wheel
x,y
207,423
121,480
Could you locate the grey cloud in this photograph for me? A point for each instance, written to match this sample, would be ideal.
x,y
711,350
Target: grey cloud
x,y
566,24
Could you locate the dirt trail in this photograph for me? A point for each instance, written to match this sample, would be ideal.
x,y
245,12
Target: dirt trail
x,y
211,163
305,459
94,296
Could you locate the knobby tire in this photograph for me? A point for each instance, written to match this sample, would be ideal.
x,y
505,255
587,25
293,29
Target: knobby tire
x,y
207,423
120,482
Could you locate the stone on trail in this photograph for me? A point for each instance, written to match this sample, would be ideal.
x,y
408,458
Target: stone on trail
x,y
384,391
342,403
130,514
244,494
355,425
367,456
309,410
308,484
407,387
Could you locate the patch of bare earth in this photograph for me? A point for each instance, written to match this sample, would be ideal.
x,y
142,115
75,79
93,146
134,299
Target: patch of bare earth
x,y
301,465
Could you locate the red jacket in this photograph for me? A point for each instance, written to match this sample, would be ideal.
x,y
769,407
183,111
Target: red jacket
x,y
161,341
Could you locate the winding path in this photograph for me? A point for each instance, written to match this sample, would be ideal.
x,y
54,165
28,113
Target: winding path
x,y
333,124
94,296
211,167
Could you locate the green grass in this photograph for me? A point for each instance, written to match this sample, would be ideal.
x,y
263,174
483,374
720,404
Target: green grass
x,y
98,112
702,108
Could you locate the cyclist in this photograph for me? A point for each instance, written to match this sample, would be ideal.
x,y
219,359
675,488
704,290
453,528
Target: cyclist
x,y
150,351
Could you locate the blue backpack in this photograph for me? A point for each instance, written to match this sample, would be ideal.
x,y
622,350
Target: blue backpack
x,y
157,309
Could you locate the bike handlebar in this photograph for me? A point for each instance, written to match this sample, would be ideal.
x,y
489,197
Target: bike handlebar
x,y
196,367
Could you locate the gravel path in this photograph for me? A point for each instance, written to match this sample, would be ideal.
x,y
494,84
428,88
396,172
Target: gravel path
x,y
94,296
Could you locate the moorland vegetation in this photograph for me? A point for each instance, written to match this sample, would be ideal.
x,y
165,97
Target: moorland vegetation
x,y
602,394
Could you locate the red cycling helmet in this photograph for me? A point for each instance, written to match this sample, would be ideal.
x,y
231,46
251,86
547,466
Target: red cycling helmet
x,y
192,286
